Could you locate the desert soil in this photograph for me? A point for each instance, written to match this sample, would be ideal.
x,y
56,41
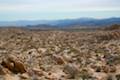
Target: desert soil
x,y
57,55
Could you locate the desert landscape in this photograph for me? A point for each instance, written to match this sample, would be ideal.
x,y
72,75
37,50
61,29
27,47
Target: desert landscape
x,y
59,39
28,54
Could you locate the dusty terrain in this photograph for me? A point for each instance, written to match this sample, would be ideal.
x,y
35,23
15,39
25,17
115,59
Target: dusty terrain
x,y
58,55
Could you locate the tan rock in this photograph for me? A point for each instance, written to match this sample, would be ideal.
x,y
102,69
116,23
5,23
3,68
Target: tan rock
x,y
24,76
117,76
100,76
11,77
105,69
59,59
38,71
12,58
56,73
13,65
2,72
113,69
19,67
71,69
67,57
7,64
42,50
55,76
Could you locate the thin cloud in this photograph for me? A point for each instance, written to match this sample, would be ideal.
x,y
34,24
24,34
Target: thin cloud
x,y
54,7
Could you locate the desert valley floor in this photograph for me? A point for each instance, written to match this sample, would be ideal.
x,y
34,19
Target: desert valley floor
x,y
59,55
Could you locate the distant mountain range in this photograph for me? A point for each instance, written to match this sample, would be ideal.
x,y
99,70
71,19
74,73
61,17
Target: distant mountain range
x,y
62,23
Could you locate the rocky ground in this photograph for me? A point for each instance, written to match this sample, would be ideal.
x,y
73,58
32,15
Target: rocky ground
x,y
57,55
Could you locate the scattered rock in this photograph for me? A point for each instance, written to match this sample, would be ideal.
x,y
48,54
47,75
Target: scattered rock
x,y
105,69
19,67
118,76
98,69
53,55
37,71
113,69
2,71
42,50
13,65
86,73
100,76
58,59
11,77
7,64
71,69
24,76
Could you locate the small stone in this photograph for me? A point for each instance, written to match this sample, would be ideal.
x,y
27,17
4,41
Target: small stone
x,y
38,71
7,64
24,76
19,67
11,77
100,76
11,58
71,69
112,69
2,72
105,69
67,57
59,59
118,76
98,69
42,50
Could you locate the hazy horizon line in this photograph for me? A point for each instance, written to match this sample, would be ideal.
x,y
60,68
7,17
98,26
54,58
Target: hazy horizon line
x,y
57,19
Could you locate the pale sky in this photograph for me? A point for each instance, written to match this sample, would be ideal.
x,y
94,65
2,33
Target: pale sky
x,y
57,9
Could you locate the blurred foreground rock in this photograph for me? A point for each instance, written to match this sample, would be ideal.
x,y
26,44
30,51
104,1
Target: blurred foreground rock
x,y
14,65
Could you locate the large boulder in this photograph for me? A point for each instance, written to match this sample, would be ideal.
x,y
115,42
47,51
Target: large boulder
x,y
14,65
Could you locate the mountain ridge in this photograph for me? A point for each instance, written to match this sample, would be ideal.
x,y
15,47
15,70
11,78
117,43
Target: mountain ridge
x,y
64,22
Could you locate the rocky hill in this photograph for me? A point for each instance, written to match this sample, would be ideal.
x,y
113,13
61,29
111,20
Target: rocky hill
x,y
65,23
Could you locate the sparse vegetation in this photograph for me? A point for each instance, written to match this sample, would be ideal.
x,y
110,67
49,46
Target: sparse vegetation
x,y
59,55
